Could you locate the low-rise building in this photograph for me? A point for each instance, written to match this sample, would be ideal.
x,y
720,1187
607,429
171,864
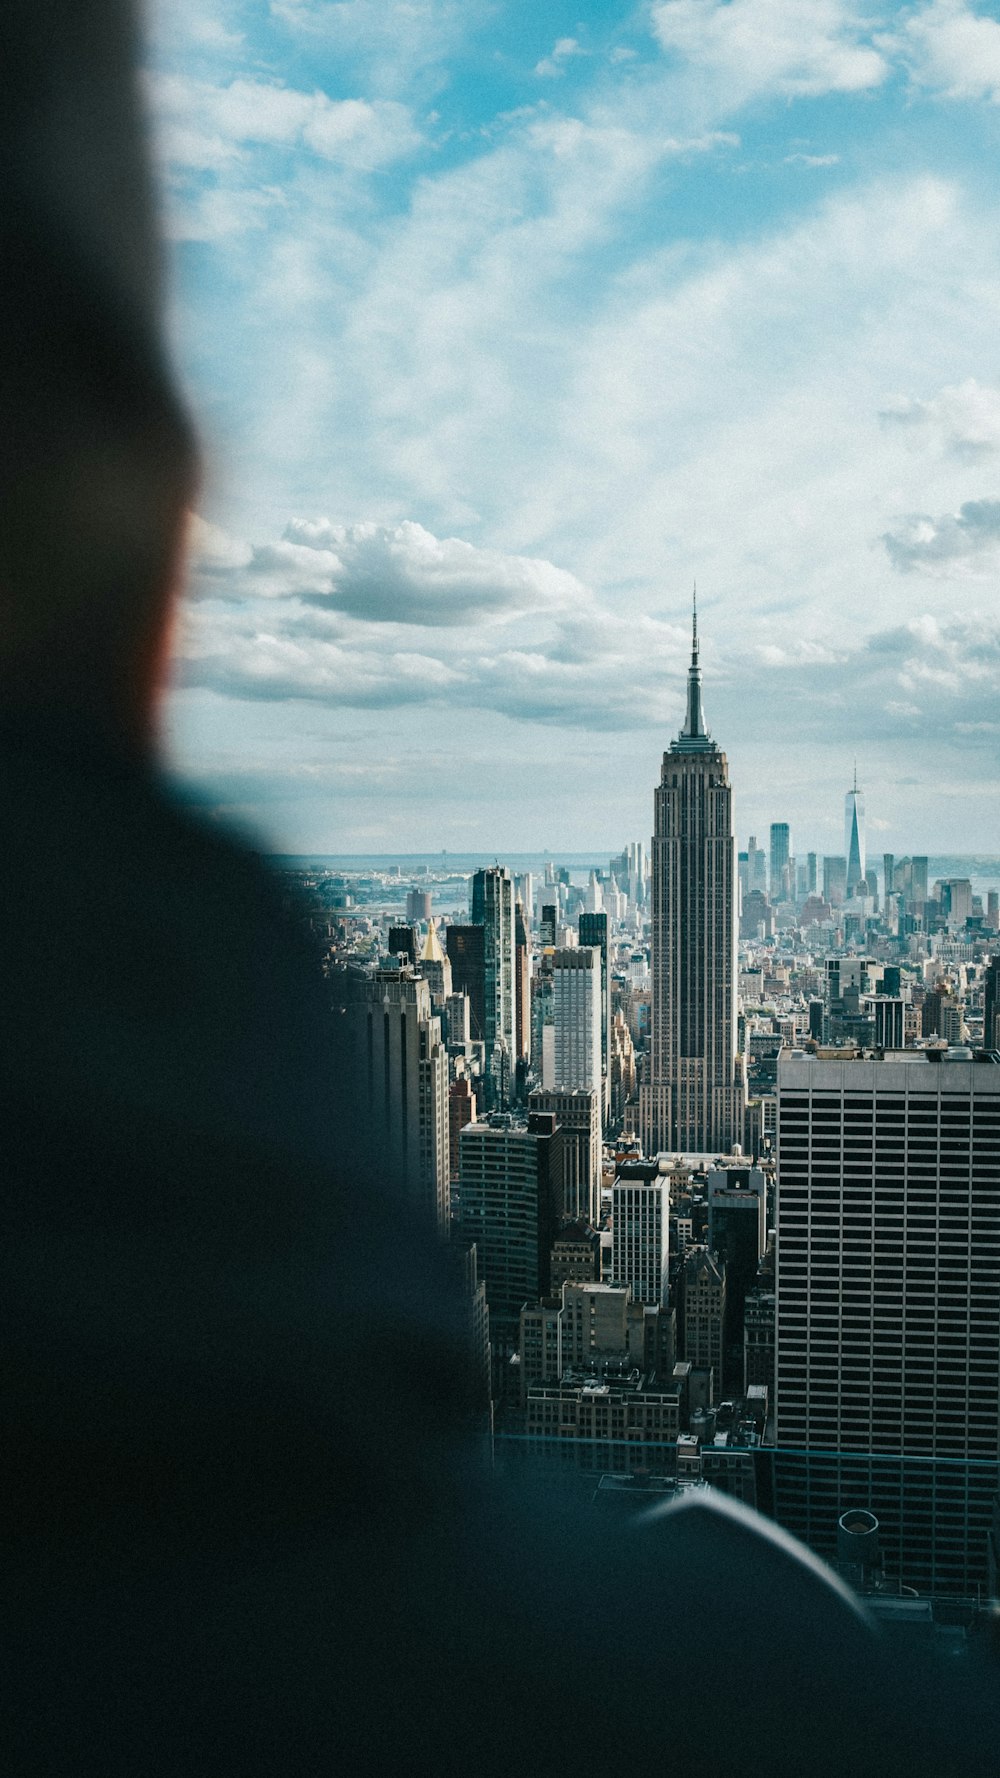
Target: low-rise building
x,y
610,1418
576,1256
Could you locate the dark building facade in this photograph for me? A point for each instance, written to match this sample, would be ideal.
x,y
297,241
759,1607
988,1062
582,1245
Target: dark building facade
x,y
511,1192
493,913
402,942
466,954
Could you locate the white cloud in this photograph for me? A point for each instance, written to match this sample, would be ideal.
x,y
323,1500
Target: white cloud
x,y
481,299
560,349
963,418
761,47
801,653
222,213
554,64
949,667
403,574
951,50
398,43
240,659
211,33
183,26
320,615
282,663
963,545
933,672
382,574
720,418
507,364
207,126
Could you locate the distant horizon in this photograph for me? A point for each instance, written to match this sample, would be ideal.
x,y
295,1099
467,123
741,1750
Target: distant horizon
x,y
531,859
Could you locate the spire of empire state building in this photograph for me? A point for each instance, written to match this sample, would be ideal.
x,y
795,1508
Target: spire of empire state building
x,y
694,736
692,1099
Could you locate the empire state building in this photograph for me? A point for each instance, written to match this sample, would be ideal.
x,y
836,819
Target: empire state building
x,y
692,1100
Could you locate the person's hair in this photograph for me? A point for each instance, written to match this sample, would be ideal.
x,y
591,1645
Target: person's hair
x,y
97,458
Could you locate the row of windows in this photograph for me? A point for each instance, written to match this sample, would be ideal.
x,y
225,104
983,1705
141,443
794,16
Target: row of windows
x,y
889,1141
891,1188
917,1136
887,1104
921,1152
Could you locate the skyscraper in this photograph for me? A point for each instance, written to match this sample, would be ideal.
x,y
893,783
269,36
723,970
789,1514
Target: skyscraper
x,y
692,1099
468,973
854,837
640,1223
704,1289
781,852
756,866
522,987
834,880
888,875
737,1235
578,1115
594,931
493,910
576,1002
511,1186
888,1324
404,1089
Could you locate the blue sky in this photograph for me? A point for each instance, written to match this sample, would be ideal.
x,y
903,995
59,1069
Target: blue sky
x,y
503,324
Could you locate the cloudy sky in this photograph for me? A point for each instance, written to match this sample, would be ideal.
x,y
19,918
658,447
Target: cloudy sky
x,y
504,323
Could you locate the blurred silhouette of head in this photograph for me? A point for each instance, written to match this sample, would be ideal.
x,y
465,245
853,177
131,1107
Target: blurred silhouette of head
x,y
97,461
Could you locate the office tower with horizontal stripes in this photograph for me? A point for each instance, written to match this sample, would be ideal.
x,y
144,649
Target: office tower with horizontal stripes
x,y
576,1011
511,1190
888,1306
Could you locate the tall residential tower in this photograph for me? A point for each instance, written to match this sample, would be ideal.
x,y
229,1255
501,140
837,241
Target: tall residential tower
x,y
493,910
692,1100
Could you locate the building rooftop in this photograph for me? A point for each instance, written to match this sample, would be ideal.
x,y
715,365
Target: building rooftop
x,y
574,1232
606,1383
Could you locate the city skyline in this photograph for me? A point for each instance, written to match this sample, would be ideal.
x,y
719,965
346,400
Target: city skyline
x,y
502,327
776,1273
